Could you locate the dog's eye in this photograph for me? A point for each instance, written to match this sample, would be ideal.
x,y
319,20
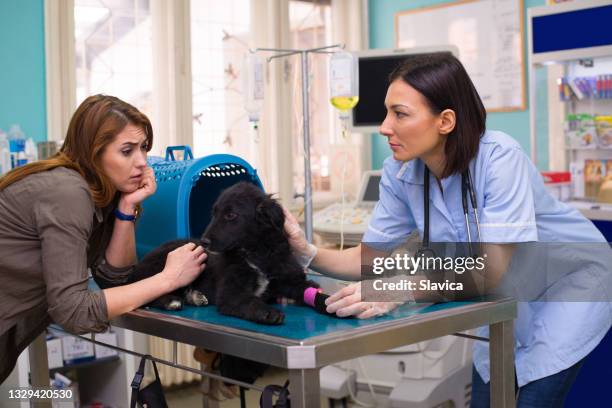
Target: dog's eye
x,y
230,216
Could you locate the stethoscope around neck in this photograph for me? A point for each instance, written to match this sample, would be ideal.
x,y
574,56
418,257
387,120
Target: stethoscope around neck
x,y
467,192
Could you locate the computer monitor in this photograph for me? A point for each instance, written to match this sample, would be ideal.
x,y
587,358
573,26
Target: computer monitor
x,y
374,69
368,191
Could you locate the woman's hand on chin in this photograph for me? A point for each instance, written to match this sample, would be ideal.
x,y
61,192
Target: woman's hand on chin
x,y
147,187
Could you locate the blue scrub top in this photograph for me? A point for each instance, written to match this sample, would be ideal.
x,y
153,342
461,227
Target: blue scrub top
x,y
513,206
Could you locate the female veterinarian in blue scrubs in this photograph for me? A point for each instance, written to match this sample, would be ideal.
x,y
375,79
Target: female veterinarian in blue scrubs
x,y
74,211
436,123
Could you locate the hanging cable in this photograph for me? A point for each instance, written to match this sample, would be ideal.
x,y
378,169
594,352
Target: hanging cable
x,y
168,363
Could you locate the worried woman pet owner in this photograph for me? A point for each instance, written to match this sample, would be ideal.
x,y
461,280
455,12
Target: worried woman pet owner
x,y
76,211
435,125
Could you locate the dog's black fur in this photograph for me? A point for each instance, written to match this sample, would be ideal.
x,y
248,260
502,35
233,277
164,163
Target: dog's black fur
x,y
249,263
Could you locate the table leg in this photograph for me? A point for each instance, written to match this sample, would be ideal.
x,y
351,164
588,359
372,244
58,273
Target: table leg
x,y
501,355
39,367
304,388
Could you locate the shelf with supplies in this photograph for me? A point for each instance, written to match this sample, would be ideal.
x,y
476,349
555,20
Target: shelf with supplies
x,y
579,62
589,88
585,92
96,374
588,123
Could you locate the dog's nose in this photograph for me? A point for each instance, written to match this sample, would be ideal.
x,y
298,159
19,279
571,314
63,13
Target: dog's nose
x,y
205,242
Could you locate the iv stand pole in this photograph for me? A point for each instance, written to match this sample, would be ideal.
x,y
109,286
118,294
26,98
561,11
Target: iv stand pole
x,y
306,123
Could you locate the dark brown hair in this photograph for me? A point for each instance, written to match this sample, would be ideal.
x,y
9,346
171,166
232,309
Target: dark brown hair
x,y
93,126
445,84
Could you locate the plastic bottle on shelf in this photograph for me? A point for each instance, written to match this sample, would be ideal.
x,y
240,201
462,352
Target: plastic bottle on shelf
x,y
5,153
15,133
17,146
31,151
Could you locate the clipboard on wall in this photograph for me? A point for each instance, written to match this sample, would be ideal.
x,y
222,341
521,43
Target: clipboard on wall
x,y
489,36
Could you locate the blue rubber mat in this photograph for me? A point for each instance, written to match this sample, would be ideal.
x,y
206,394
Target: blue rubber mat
x,y
301,322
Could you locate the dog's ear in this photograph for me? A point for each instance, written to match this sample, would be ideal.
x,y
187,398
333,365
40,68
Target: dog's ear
x,y
270,213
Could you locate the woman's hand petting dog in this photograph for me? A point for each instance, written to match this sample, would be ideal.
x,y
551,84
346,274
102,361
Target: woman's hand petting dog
x,y
302,249
183,265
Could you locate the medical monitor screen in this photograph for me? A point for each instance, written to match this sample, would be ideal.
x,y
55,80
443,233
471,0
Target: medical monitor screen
x,y
373,82
371,191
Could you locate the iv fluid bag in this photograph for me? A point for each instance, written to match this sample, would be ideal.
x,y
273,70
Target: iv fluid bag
x,y
344,103
253,85
343,81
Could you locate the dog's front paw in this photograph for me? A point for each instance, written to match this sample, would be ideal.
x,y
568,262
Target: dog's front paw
x,y
174,304
269,315
168,302
195,298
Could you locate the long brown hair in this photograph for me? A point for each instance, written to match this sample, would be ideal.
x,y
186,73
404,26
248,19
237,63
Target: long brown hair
x,y
93,126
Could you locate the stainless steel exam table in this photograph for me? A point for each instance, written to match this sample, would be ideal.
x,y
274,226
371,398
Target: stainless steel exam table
x,y
307,341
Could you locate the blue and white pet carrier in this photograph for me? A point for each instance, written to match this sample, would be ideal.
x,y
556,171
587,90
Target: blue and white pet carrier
x,y
186,192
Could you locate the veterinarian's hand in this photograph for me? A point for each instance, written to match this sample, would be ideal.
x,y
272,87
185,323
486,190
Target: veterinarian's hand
x,y
347,302
183,265
302,249
147,187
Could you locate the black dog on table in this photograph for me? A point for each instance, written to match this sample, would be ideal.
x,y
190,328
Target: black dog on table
x,y
249,264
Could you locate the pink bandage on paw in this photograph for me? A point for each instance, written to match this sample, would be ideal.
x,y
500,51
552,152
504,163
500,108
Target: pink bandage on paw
x,y
309,296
